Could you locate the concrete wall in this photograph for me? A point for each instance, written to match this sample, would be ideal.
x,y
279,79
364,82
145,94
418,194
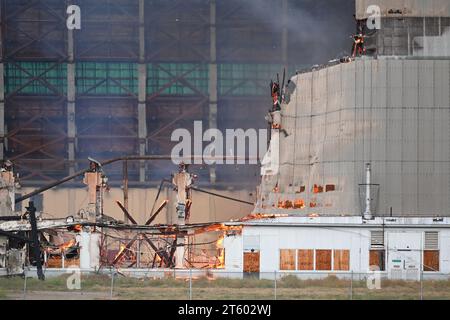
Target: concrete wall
x,y
409,8
63,202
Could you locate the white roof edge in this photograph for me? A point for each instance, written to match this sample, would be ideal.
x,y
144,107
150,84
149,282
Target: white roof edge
x,y
355,222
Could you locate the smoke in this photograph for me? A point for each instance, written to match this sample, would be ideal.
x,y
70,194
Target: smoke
x,y
317,30
433,46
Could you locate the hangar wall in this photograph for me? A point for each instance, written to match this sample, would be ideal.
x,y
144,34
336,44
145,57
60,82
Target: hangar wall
x,y
392,113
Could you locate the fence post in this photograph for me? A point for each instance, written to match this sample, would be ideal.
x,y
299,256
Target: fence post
x,y
190,283
112,283
275,284
421,284
351,285
25,285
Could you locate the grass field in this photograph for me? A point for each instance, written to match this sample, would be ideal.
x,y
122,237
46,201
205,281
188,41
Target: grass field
x,y
290,287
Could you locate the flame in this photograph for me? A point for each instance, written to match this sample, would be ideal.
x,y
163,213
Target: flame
x,y
67,245
288,204
217,227
122,249
220,252
299,204
258,216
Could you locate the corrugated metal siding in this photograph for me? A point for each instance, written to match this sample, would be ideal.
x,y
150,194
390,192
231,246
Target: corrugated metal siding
x,y
409,8
392,113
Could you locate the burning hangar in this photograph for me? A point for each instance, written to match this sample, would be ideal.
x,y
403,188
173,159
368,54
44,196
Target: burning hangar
x,y
356,178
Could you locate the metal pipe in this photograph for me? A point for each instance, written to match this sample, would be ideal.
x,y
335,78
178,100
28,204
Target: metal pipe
x,y
368,211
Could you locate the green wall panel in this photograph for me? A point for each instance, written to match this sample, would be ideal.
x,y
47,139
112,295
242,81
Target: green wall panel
x,y
94,78
19,77
160,78
121,79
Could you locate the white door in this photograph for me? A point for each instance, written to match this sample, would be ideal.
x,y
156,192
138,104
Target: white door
x,y
404,255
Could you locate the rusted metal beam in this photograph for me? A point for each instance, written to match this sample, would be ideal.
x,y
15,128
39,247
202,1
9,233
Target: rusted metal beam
x,y
173,81
184,114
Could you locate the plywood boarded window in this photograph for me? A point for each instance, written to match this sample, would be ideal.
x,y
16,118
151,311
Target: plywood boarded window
x,y
341,260
305,260
323,260
251,261
287,259
330,187
431,260
377,260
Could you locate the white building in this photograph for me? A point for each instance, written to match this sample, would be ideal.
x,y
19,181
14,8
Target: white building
x,y
319,246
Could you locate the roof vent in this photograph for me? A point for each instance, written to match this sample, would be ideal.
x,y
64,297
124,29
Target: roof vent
x,y
431,240
377,239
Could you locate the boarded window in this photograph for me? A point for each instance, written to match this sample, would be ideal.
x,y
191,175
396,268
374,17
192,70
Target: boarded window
x,y
323,260
341,260
377,260
431,260
287,259
431,240
251,261
305,260
330,187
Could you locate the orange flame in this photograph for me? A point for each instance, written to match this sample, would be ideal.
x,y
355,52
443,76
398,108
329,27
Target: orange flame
x,y
122,249
220,252
67,245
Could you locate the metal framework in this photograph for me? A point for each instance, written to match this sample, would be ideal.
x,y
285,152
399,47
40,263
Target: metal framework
x,y
134,72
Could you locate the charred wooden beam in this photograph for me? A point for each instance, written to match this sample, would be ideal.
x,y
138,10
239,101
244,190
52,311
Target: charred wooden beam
x,y
153,217
126,213
128,246
162,254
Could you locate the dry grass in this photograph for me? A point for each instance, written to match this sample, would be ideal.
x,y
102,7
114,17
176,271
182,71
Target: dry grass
x,y
289,287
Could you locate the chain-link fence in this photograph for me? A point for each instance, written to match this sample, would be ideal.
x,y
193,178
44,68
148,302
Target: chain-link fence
x,y
133,284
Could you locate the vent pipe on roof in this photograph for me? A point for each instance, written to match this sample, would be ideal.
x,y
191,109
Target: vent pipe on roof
x,y
368,212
